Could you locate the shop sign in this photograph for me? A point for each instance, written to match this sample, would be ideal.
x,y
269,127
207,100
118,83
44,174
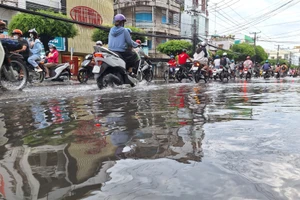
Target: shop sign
x,y
86,15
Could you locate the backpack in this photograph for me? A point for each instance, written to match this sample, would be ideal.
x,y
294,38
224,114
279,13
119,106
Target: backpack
x,y
223,62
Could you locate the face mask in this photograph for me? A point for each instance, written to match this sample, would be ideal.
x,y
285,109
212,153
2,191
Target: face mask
x,y
31,35
15,37
51,49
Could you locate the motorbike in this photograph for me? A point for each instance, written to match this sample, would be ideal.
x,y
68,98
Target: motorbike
x,y
168,74
198,72
184,72
266,74
224,74
13,74
277,75
86,71
216,73
61,72
247,73
110,69
33,76
145,67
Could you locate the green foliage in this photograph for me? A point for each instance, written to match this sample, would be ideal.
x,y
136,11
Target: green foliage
x,y
102,35
239,52
43,25
274,61
46,27
261,55
172,47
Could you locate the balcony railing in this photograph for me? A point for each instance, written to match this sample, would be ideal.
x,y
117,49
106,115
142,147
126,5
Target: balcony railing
x,y
171,4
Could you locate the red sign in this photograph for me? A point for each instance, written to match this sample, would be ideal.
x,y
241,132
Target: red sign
x,y
86,14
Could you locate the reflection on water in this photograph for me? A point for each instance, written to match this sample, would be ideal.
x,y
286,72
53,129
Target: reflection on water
x,y
159,144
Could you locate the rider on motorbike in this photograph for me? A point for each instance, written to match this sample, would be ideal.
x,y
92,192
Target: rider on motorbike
x,y
35,46
119,41
248,64
17,35
266,67
52,59
140,51
99,43
2,28
217,62
172,64
201,55
225,62
182,58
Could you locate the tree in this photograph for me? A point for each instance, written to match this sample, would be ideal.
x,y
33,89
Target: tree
x,y
102,35
242,51
261,55
230,54
47,28
172,47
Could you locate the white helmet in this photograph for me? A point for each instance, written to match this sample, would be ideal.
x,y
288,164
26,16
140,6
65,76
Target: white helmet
x,y
203,44
99,43
224,54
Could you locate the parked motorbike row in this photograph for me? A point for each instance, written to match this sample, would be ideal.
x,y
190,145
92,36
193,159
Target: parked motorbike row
x,y
107,67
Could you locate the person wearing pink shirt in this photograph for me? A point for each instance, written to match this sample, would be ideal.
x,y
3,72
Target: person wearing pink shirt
x,y
52,59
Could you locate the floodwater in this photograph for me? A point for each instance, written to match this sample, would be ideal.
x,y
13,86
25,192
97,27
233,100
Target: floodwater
x,y
238,140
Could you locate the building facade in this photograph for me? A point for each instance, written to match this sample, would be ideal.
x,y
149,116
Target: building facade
x,y
195,15
159,17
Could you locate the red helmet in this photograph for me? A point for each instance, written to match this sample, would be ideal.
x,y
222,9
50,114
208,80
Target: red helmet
x,y
139,42
17,31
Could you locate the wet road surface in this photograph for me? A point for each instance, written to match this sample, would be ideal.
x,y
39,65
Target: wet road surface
x,y
161,141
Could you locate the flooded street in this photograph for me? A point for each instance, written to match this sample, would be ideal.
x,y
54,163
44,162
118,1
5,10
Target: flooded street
x,y
237,140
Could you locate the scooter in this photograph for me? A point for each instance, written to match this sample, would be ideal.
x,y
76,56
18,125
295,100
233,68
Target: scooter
x,y
86,71
224,74
216,73
146,70
247,73
60,72
13,74
185,72
33,76
110,69
168,74
198,72
266,74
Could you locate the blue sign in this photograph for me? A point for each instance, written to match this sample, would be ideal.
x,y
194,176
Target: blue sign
x,y
59,42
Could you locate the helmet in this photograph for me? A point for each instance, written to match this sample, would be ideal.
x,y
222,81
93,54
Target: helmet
x,y
2,23
267,61
119,17
224,54
99,43
172,56
232,60
203,44
248,57
51,46
129,30
33,31
183,50
17,31
138,41
217,56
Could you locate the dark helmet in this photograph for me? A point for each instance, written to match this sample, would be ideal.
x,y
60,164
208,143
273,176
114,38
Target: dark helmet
x,y
183,50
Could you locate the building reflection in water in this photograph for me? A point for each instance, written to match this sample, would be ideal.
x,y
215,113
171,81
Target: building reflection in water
x,y
93,137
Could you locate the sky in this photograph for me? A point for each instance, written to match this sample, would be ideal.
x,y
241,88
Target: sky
x,y
278,26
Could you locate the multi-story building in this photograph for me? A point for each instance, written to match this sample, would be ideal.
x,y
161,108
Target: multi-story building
x,y
195,19
222,42
159,17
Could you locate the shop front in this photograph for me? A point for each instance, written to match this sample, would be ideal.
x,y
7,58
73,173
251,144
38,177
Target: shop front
x,y
98,12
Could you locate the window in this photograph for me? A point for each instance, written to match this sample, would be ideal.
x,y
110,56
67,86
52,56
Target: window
x,y
150,44
143,17
164,19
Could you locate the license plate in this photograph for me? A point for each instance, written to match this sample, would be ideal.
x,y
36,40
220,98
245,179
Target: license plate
x,y
96,69
194,68
176,69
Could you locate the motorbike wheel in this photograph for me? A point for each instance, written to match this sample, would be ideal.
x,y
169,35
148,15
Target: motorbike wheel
x,y
83,76
178,77
108,80
14,77
149,75
221,76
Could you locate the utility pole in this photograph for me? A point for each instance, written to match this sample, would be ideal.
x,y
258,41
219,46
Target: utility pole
x,y
278,47
290,60
255,38
194,35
